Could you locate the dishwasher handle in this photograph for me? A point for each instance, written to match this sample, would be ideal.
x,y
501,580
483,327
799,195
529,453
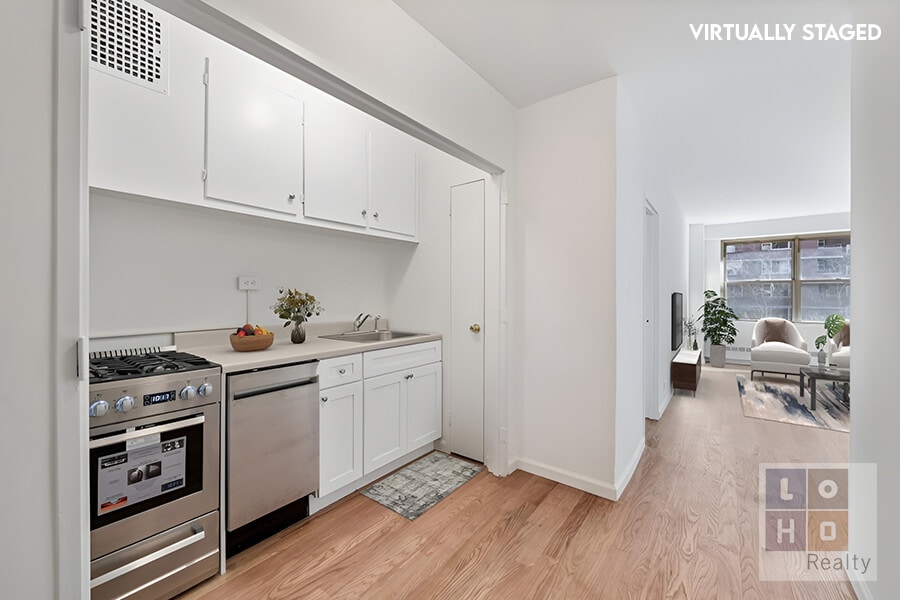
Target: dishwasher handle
x,y
257,381
262,391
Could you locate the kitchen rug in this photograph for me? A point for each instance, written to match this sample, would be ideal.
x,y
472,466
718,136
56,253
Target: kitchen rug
x,y
417,487
782,402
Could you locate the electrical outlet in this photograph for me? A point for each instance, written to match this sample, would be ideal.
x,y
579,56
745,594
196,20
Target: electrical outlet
x,y
248,282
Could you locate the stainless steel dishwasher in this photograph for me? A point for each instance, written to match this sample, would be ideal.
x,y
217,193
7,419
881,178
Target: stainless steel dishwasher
x,y
272,452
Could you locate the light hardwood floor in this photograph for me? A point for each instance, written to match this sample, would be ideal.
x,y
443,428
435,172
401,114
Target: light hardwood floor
x,y
685,528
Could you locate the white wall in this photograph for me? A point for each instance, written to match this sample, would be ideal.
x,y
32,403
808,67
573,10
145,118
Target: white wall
x,y
161,266
629,290
566,353
711,261
27,518
876,213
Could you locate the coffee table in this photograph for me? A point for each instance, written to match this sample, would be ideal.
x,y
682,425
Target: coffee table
x,y
827,373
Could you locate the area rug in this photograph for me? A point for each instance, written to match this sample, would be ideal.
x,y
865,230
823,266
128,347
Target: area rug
x,y
417,487
782,402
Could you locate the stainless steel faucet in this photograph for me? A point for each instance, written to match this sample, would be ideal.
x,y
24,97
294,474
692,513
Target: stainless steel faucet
x,y
360,319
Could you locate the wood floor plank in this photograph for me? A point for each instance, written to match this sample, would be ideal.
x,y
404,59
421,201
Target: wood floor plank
x,y
685,528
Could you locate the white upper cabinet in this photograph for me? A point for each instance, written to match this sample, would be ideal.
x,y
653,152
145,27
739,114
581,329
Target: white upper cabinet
x,y
254,133
336,162
148,139
393,185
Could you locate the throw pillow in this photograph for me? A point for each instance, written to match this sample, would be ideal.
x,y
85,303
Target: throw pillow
x,y
775,331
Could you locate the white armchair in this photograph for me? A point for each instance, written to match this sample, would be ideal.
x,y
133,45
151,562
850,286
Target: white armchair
x,y
839,348
777,347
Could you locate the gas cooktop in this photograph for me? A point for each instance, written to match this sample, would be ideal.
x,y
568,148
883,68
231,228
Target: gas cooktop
x,y
115,368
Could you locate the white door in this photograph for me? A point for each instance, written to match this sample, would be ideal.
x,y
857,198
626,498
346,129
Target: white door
x,y
384,420
392,180
423,405
651,304
340,436
336,155
254,134
467,318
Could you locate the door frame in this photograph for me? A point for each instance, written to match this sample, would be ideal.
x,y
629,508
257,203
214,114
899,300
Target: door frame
x,y
71,262
651,305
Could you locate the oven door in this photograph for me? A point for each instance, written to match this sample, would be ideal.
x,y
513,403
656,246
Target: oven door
x,y
152,474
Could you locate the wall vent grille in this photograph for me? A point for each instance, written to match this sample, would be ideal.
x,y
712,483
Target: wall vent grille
x,y
129,40
737,349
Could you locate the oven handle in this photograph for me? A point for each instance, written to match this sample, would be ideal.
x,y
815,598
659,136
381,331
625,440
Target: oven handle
x,y
138,433
146,560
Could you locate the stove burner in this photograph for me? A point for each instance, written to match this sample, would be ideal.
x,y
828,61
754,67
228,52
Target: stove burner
x,y
143,365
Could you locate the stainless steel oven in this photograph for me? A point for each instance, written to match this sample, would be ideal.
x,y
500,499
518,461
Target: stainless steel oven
x,y
154,479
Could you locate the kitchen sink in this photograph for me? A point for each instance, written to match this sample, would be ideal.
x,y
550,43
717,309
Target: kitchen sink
x,y
382,335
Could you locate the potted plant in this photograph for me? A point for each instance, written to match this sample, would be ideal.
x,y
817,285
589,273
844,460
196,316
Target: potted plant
x,y
833,324
718,326
295,307
690,329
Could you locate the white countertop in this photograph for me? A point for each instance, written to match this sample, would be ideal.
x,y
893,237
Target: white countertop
x,y
282,350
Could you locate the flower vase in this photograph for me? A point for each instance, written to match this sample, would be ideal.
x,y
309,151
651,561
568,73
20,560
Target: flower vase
x,y
298,333
822,358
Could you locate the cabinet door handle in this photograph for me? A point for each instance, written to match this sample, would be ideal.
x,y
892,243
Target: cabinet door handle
x,y
292,197
342,371
375,215
324,398
364,212
410,376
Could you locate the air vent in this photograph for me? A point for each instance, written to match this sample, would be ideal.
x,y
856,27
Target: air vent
x,y
129,40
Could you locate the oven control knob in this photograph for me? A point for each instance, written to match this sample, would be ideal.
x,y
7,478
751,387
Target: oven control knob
x,y
99,408
205,390
188,393
124,404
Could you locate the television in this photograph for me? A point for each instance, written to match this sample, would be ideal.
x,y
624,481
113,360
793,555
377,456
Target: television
x,y
677,320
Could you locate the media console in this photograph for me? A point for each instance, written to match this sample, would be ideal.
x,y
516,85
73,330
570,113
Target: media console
x,y
686,370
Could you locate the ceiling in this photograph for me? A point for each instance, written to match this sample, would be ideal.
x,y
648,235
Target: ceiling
x,y
735,130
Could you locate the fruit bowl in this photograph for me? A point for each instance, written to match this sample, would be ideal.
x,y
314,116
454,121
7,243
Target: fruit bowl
x,y
250,343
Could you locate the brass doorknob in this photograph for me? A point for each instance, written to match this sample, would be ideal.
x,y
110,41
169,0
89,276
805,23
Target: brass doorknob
x,y
475,328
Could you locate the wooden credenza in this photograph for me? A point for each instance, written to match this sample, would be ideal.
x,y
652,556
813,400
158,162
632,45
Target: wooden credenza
x,y
686,369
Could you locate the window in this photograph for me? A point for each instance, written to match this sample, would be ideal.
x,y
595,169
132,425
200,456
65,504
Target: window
x,y
801,278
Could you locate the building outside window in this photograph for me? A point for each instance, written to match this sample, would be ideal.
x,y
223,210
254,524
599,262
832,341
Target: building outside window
x,y
804,278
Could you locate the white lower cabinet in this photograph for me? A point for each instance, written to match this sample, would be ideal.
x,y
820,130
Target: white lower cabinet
x,y
423,405
384,418
368,423
340,436
403,407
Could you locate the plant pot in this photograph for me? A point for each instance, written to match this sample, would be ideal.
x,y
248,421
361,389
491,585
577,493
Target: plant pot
x,y
717,355
298,333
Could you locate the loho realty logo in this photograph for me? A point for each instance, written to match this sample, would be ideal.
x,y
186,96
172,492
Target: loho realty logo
x,y
804,521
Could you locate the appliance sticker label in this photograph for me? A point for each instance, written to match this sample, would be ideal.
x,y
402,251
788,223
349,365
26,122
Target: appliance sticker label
x,y
140,473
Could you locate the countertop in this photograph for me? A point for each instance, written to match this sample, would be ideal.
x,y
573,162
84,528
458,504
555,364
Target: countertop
x,y
282,351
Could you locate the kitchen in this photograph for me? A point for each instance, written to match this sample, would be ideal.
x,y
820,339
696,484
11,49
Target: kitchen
x,y
197,201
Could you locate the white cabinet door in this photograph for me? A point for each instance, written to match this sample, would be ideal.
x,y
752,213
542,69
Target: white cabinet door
x,y
340,436
254,133
384,420
336,162
423,405
393,192
148,142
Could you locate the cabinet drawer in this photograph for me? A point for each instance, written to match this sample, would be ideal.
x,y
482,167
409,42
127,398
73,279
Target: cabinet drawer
x,y
389,360
340,370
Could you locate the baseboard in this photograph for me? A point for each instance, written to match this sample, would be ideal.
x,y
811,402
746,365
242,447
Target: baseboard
x,y
630,468
566,477
861,588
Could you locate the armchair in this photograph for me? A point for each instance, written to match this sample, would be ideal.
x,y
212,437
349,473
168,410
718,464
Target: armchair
x,y
839,348
777,347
